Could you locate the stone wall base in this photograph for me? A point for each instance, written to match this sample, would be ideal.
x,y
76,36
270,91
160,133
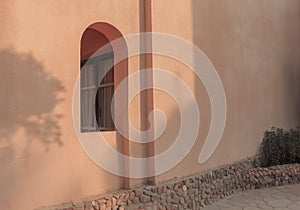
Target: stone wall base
x,y
194,192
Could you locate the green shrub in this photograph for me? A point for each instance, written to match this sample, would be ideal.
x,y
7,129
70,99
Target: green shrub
x,y
280,147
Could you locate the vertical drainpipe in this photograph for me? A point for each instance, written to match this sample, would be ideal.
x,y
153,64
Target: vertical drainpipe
x,y
149,92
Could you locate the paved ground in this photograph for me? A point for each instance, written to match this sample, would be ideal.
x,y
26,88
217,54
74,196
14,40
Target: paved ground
x,y
283,198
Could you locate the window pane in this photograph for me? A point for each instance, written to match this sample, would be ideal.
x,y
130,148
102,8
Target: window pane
x,y
109,95
84,110
100,107
87,76
103,107
88,88
104,65
96,101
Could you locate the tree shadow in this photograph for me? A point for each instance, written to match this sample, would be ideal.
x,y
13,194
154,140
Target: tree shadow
x,y
28,97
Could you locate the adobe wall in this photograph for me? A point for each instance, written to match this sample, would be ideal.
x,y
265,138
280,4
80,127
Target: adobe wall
x,y
254,47
41,160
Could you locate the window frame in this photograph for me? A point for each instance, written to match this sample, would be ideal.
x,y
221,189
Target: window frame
x,y
98,85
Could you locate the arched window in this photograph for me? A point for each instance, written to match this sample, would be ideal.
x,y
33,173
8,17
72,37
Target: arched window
x,y
96,94
96,111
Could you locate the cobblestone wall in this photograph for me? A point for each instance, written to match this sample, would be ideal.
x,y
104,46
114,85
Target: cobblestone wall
x,y
196,191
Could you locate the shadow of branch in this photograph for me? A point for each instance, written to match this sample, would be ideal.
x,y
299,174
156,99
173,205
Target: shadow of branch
x,y
28,97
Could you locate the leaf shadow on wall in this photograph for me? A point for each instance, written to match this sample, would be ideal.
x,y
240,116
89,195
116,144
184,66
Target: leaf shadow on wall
x,y
28,97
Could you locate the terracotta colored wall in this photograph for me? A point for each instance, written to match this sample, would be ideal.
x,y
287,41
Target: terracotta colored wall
x,y
254,47
252,44
42,162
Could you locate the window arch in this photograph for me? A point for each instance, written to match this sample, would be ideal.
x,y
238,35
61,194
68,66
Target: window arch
x,y
94,37
96,112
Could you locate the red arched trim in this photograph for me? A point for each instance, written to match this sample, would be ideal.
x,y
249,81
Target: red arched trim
x,y
111,33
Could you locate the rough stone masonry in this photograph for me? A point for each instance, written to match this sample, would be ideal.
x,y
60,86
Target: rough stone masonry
x,y
194,192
